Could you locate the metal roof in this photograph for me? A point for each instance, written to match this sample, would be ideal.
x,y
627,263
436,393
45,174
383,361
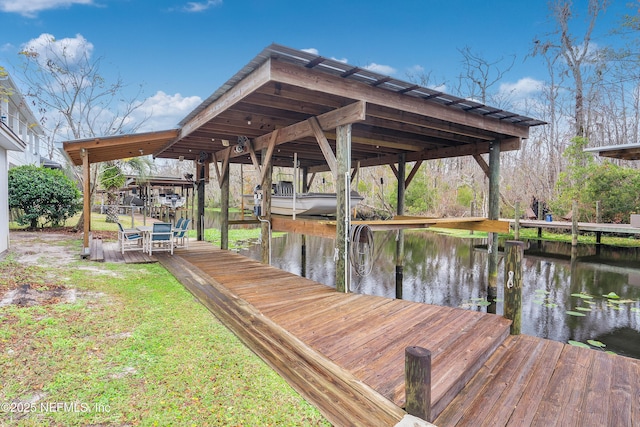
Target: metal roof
x,y
621,151
350,72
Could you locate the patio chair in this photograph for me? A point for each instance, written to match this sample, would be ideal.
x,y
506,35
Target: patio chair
x,y
161,236
180,235
129,239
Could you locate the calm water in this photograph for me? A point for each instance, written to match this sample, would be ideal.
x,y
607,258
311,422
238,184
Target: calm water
x,y
449,271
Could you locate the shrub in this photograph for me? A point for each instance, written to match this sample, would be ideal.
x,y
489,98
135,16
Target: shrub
x,y
41,193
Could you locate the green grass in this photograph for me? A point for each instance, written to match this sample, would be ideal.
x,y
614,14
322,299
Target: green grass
x,y
584,238
532,234
135,349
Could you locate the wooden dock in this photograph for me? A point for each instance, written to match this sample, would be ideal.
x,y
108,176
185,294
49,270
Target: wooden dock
x,y
582,226
342,352
345,352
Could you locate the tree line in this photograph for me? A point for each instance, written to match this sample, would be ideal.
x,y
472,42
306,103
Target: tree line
x,y
590,97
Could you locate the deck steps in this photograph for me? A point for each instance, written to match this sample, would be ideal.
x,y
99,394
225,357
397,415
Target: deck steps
x,y
96,250
364,335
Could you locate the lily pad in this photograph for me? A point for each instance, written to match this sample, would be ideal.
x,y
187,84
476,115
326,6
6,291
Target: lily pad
x,y
613,353
538,302
484,303
581,295
635,309
596,343
622,301
578,344
611,295
542,291
583,309
551,305
498,300
575,313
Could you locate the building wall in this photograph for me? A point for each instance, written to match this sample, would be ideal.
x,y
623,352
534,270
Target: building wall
x,y
4,202
20,135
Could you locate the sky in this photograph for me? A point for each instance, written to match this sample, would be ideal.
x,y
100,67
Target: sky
x,y
182,51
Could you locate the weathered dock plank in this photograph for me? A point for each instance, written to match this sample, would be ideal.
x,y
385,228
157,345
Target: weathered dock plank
x,y
532,381
342,398
362,334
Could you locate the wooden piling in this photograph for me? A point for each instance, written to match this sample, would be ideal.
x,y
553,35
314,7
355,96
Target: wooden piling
x,y
514,251
418,382
516,226
574,224
598,221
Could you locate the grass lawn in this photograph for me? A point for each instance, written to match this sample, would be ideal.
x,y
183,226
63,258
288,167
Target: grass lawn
x,y
133,348
532,234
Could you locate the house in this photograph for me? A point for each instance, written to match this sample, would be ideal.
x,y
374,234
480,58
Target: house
x,y
20,135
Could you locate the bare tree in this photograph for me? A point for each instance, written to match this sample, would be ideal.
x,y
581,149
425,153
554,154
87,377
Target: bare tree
x,y
73,98
577,53
480,75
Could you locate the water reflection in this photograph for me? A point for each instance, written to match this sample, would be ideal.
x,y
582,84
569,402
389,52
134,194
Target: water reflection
x,y
444,270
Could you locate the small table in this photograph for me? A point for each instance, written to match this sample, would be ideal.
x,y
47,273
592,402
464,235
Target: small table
x,y
145,231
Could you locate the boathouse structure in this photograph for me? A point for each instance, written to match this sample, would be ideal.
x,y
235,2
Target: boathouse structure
x,y
329,116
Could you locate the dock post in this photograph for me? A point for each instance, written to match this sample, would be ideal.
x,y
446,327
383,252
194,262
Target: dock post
x,y
574,224
514,251
494,213
402,163
224,211
516,224
598,220
417,382
540,214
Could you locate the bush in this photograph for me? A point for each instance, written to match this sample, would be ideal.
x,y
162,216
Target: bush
x,y
41,193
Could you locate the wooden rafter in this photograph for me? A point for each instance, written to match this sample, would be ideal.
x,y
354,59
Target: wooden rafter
x,y
352,113
482,163
413,172
290,74
329,156
225,165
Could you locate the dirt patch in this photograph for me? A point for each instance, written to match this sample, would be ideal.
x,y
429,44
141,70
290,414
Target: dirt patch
x,y
26,296
42,248
30,275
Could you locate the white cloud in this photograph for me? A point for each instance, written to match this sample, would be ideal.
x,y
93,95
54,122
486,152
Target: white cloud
x,y
164,111
194,6
382,69
415,70
311,50
46,48
30,8
523,88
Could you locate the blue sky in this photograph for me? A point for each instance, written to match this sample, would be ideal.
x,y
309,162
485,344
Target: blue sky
x,y
181,51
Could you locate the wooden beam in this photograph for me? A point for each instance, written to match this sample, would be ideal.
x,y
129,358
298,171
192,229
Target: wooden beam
x,y
483,165
439,153
254,158
322,82
343,227
86,206
237,93
313,176
269,153
221,173
413,172
327,152
355,171
394,169
352,113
